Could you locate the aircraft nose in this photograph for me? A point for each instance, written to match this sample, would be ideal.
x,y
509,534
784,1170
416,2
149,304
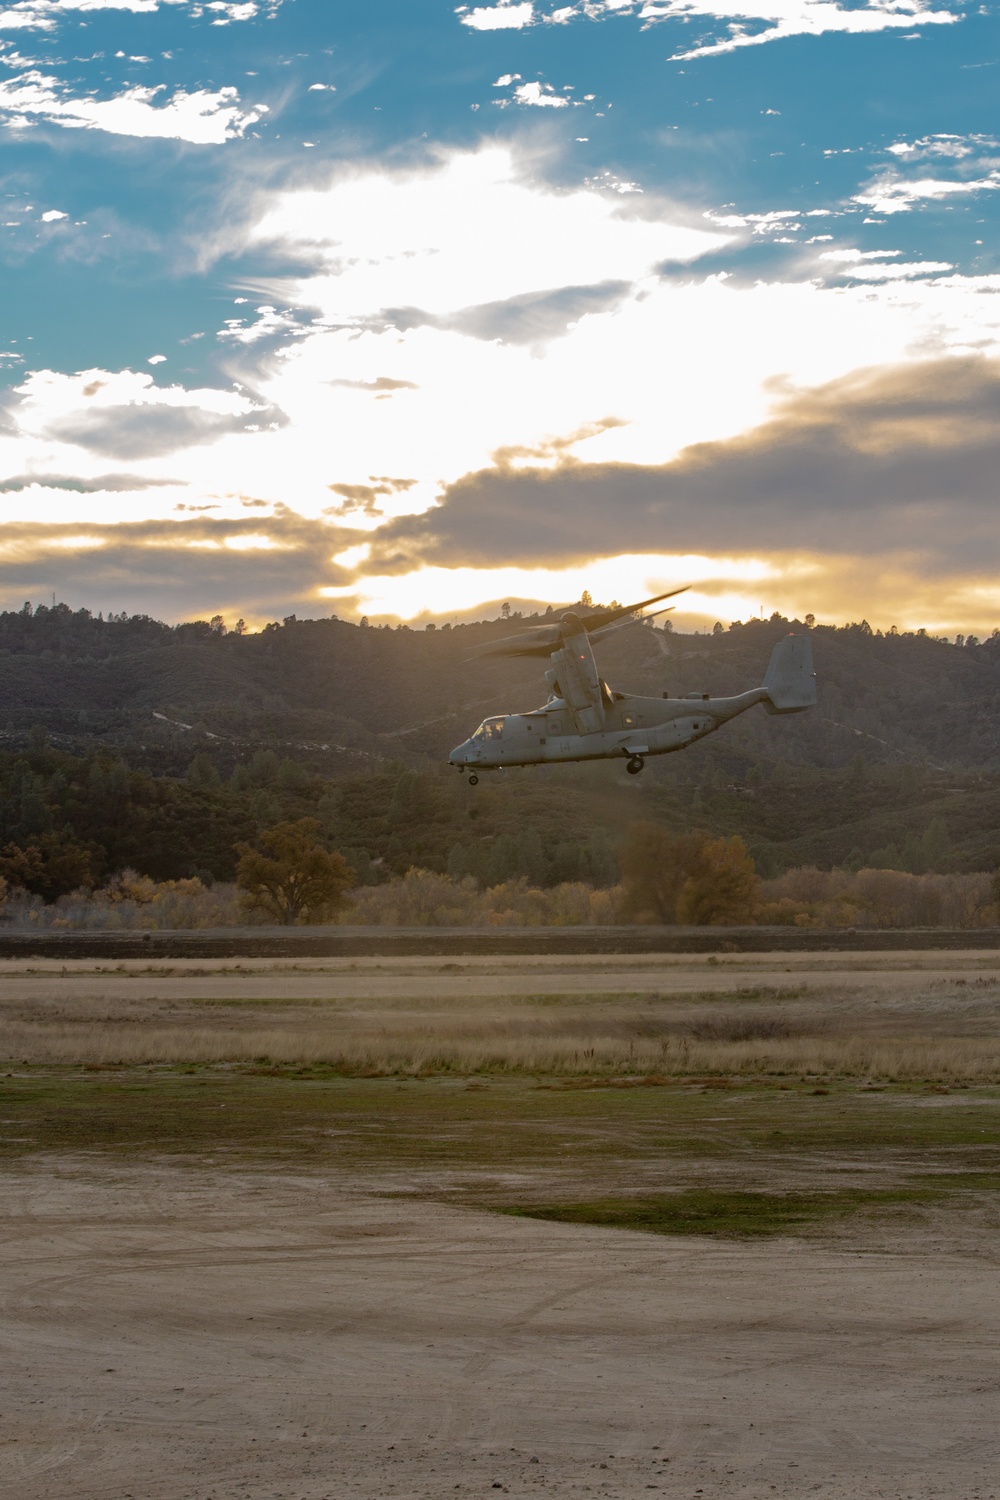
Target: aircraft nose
x,y
459,755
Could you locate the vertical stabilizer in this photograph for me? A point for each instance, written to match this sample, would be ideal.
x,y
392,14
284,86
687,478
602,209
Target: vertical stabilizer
x,y
790,683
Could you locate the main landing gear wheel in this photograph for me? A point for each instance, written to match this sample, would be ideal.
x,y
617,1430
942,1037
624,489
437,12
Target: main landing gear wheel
x,y
635,765
473,779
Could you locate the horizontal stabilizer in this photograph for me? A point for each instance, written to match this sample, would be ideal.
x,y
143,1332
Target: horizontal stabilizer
x,y
790,683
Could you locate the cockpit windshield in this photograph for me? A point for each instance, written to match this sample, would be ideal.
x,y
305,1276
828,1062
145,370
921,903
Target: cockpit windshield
x,y
489,729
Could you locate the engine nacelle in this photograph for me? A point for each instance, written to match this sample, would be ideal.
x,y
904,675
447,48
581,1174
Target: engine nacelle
x,y
575,678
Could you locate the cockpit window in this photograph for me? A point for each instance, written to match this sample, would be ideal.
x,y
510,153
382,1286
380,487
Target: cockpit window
x,y
489,729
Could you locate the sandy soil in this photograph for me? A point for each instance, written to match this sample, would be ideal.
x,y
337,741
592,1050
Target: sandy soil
x,y
482,978
175,1332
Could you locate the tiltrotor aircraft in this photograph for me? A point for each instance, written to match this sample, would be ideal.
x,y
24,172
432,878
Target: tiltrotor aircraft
x,y
584,720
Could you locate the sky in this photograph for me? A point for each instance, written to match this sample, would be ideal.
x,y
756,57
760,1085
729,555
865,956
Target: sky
x,y
405,309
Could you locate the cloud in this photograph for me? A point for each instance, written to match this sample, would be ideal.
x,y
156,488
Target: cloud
x,y
123,416
381,385
749,23
536,318
541,95
180,570
509,15
955,146
882,461
530,353
893,194
132,432
101,483
43,15
201,117
778,19
466,229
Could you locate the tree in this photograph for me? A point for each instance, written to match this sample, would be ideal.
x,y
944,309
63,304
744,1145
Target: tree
x,y
50,866
202,771
722,887
291,876
687,878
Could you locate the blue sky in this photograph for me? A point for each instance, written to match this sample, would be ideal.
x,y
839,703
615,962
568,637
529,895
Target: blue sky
x,y
405,309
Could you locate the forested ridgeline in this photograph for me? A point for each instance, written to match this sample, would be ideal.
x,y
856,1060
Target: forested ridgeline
x,y
346,697
129,744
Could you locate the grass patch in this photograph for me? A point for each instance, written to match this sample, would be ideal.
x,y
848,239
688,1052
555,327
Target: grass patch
x,y
729,1215
384,1122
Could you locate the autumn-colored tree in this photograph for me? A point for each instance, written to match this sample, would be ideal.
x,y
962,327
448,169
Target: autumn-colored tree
x,y
687,878
51,865
722,887
291,876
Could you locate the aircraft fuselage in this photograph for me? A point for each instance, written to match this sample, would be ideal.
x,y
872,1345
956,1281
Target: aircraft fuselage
x,y
633,727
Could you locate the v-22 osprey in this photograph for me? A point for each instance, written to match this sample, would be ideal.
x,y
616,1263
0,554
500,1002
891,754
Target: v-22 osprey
x,y
585,720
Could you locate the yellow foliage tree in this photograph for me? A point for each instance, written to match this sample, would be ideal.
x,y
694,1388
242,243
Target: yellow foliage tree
x,y
291,876
687,878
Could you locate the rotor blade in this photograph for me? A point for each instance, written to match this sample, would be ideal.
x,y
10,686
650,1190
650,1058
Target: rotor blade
x,y
542,640
605,630
600,617
520,645
537,640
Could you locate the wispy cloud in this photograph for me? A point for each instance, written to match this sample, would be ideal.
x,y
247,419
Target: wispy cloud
x,y
892,193
957,147
748,23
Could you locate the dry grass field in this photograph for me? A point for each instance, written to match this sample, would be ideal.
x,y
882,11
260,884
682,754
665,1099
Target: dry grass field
x,y
887,1017
582,1226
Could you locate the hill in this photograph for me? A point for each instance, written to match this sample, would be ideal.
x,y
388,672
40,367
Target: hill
x,y
224,732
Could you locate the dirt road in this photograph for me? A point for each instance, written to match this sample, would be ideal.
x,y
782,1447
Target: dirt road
x,y
199,1333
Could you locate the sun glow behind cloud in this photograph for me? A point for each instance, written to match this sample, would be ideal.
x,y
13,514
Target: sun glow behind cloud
x,y
443,591
442,338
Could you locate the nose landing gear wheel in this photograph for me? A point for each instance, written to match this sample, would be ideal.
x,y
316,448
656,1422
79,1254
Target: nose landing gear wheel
x,y
635,765
473,779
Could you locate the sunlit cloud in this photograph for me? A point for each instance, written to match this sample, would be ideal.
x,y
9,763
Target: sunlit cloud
x,y
892,194
749,23
834,587
44,14
467,230
251,542
201,116
443,591
510,16
957,147
788,18
541,95
472,342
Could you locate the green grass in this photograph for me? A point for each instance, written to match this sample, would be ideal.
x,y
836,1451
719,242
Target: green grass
x,y
319,1115
730,1215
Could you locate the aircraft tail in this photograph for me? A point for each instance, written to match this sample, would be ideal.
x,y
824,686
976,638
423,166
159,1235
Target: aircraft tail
x,y
790,683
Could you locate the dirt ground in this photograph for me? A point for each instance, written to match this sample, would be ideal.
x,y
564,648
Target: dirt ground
x,y
222,1324
480,978
173,1332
